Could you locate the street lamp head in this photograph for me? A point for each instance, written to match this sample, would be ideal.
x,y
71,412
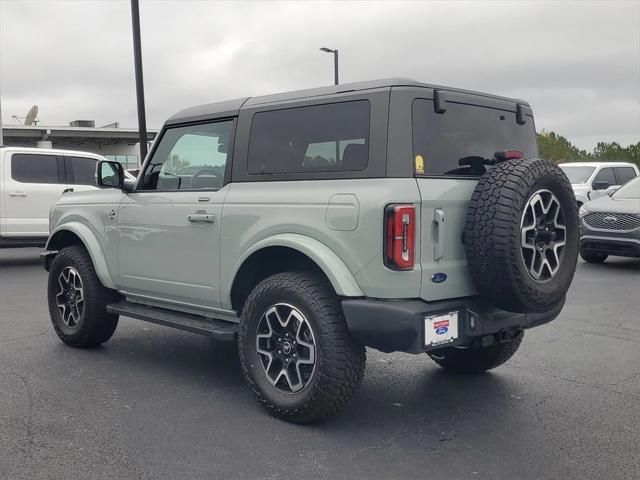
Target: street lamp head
x,y
328,50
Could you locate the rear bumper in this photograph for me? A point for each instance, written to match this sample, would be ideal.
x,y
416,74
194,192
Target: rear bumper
x,y
398,325
620,246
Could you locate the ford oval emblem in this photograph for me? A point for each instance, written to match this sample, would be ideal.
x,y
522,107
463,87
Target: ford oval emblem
x,y
438,277
610,219
441,330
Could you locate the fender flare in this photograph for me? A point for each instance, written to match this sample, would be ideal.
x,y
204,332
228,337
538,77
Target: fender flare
x,y
90,242
341,278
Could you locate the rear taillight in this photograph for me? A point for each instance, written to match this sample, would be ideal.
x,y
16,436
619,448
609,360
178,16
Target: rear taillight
x,y
509,155
400,228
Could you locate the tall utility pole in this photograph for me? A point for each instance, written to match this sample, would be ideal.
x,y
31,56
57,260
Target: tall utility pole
x,y
137,59
335,63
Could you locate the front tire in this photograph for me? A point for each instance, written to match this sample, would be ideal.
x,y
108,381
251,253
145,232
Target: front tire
x,y
295,349
77,300
477,359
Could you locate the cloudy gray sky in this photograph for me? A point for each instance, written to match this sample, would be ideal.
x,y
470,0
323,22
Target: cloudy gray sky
x,y
577,63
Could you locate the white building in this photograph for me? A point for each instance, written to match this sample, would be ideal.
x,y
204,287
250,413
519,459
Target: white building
x,y
113,142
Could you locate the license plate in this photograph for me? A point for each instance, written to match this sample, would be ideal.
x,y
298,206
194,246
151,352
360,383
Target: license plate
x,y
440,329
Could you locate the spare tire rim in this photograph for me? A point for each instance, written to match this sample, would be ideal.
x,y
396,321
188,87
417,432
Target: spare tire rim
x,y
70,297
543,232
286,345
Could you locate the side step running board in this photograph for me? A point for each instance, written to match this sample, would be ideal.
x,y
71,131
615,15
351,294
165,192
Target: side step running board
x,y
219,329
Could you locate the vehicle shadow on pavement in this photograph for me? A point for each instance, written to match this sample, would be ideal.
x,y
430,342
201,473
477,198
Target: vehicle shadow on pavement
x,y
159,351
434,397
391,392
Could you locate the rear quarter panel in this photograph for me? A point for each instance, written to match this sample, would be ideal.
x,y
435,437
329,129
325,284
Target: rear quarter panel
x,y
256,211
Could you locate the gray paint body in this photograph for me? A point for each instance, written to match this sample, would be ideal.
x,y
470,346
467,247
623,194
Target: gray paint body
x,y
149,251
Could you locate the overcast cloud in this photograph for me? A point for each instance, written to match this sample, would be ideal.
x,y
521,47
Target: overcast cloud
x,y
577,63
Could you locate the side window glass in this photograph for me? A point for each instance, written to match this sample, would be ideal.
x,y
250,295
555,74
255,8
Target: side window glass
x,y
624,174
35,168
320,138
81,170
605,175
193,157
331,155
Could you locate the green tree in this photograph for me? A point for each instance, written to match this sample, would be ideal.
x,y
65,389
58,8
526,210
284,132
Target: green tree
x,y
613,151
558,149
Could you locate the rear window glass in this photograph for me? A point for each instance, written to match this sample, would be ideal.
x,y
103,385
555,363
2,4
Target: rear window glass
x,y
320,138
34,168
463,131
624,174
81,170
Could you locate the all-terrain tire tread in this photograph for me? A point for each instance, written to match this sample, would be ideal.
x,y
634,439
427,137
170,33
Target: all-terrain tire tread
x,y
343,362
492,229
97,326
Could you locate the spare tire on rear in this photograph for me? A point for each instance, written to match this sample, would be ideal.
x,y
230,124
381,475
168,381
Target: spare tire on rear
x,y
521,235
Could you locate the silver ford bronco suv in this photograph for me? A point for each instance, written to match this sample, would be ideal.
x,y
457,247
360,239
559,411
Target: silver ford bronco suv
x,y
307,225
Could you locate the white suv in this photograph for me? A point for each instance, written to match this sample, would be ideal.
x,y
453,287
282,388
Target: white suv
x,y
31,181
591,180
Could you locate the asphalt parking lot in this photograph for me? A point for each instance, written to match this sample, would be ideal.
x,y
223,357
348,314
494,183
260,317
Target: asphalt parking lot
x,y
158,403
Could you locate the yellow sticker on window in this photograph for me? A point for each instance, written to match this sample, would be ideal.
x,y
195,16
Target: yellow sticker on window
x,y
419,164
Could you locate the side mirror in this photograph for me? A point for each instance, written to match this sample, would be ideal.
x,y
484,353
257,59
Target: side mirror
x,y
110,175
601,185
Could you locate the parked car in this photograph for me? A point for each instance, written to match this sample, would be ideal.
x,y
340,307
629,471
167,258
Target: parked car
x,y
391,214
611,225
31,180
591,180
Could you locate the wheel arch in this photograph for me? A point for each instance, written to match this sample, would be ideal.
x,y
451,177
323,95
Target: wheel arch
x,y
288,252
77,234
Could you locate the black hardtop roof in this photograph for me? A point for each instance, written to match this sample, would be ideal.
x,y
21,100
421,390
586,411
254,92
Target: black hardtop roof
x,y
232,107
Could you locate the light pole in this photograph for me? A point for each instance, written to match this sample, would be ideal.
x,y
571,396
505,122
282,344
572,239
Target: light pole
x,y
335,79
335,62
137,60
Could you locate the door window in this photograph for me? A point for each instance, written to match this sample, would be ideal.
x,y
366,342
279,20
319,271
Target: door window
x,y
81,170
35,168
624,174
605,175
192,157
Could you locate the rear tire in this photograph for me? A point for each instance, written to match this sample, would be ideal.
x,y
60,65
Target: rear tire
x,y
290,381
593,257
77,300
476,359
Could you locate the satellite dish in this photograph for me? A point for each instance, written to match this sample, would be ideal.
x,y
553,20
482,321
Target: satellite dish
x,y
30,119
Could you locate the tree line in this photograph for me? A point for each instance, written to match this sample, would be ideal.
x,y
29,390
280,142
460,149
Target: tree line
x,y
558,149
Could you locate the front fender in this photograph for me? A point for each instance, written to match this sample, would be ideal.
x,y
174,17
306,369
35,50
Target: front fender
x,y
91,243
341,278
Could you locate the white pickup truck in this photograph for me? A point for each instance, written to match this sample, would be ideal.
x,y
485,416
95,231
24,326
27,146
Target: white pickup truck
x,y
591,180
31,181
